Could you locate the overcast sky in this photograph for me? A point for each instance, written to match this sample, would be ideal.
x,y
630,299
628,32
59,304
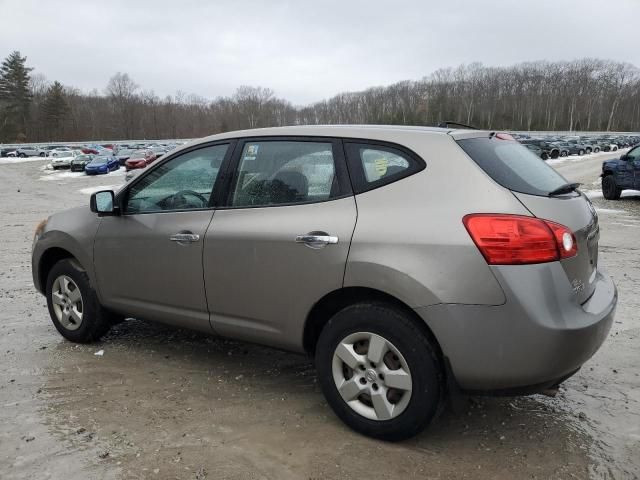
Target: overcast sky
x,y
303,50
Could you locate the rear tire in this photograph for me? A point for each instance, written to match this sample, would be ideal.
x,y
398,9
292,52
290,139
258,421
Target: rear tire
x,y
581,152
393,379
588,151
544,156
73,304
610,190
563,154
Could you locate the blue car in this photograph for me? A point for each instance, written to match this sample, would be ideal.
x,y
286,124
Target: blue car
x,y
621,174
102,164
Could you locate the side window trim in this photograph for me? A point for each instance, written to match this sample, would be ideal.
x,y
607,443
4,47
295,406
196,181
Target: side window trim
x,y
356,169
231,173
218,186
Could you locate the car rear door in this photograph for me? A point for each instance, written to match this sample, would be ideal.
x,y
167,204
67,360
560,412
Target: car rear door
x,y
281,242
148,260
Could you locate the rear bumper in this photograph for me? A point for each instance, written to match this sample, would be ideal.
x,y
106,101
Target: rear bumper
x,y
540,336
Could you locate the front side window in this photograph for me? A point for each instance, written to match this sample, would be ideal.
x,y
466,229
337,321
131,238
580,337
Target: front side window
x,y
634,154
284,172
183,183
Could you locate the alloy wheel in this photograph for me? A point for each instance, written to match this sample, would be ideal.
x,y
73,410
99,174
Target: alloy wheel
x,y
372,376
67,302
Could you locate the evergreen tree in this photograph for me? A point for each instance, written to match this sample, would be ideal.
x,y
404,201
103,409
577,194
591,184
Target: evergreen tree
x,y
15,96
54,110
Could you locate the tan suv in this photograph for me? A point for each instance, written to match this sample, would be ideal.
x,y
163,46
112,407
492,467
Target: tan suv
x,y
406,260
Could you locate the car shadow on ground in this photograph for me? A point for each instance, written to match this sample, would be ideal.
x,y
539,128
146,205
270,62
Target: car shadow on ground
x,y
187,384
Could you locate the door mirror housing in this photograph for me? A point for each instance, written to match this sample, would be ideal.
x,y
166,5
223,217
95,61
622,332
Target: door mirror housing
x,y
103,203
624,157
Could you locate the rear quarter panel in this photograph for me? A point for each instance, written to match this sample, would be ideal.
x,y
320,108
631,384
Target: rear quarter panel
x,y
409,239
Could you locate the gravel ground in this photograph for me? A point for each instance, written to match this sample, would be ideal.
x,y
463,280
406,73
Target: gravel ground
x,y
167,403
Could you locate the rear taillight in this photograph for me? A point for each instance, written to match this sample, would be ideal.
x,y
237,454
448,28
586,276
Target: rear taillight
x,y
517,240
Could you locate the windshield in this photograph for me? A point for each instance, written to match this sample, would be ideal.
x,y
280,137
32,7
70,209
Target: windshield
x,y
512,165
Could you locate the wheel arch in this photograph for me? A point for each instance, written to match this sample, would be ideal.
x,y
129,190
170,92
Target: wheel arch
x,y
49,258
336,300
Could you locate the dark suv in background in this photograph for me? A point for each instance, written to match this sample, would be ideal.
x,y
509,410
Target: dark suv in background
x,y
621,174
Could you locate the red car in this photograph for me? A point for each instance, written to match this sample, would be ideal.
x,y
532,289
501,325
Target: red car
x,y
139,159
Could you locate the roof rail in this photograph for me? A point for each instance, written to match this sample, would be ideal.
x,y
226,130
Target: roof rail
x,y
455,124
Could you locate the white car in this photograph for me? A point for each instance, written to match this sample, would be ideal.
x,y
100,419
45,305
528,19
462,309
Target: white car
x,y
57,151
62,158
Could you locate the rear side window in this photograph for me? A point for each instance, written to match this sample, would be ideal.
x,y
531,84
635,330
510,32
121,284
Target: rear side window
x,y
372,166
512,165
285,172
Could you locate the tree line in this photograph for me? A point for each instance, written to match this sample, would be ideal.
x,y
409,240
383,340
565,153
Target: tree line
x,y
581,95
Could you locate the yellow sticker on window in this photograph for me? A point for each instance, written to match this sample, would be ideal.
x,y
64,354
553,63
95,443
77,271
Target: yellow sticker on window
x,y
381,165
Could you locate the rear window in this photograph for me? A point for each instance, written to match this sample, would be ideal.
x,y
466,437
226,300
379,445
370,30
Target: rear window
x,y
512,165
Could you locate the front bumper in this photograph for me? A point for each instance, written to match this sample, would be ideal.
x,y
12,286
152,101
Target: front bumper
x,y
539,335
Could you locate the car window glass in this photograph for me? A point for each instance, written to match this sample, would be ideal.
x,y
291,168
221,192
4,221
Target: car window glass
x,y
284,172
634,154
379,164
373,166
183,183
512,166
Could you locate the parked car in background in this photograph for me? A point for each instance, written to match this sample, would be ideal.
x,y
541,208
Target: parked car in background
x,y
123,154
96,150
61,158
8,152
567,148
580,146
621,174
139,159
57,152
538,151
497,290
30,151
591,143
551,150
158,151
102,164
80,162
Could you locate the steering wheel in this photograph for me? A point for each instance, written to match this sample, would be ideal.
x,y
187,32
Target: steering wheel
x,y
179,200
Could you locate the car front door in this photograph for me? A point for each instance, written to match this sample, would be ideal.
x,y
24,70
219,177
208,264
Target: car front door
x,y
633,160
281,242
625,171
148,260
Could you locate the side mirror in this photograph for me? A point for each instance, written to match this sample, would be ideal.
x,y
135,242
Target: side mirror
x,y
102,203
624,157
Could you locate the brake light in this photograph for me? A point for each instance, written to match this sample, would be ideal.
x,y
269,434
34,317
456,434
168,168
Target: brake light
x,y
504,136
518,240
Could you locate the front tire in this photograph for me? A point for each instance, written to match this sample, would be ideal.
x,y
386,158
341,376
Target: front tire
x,y
379,372
73,304
581,152
610,190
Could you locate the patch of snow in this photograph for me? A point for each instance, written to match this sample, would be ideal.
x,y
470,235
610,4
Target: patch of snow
x,y
609,210
99,353
631,193
11,160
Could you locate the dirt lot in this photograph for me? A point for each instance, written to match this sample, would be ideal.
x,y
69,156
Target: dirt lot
x,y
165,403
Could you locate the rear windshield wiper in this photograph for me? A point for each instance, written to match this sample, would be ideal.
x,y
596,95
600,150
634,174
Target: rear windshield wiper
x,y
566,188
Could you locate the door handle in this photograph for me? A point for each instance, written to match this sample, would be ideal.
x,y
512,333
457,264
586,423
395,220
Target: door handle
x,y
184,237
317,239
